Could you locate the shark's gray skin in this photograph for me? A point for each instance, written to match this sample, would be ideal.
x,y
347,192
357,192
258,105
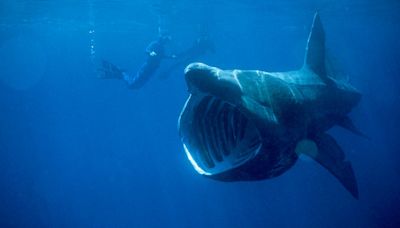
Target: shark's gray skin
x,y
243,125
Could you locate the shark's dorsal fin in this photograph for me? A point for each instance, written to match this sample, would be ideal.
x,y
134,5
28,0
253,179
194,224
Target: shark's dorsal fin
x,y
315,50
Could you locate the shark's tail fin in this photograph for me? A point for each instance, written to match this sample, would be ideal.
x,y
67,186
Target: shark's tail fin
x,y
315,50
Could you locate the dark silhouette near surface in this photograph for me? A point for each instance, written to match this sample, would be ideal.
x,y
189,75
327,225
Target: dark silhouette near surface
x,y
200,47
155,54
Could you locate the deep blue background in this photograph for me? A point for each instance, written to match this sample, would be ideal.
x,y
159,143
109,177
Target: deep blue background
x,y
77,151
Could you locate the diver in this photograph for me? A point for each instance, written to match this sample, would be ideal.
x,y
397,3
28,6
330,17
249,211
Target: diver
x,y
155,54
200,47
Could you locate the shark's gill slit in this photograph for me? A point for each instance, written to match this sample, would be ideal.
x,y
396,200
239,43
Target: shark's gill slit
x,y
221,126
224,129
224,136
201,135
242,128
229,129
212,131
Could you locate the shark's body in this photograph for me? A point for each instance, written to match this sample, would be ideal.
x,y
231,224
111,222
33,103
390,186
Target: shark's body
x,y
251,125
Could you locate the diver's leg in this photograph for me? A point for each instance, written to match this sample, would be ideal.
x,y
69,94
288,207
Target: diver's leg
x,y
136,81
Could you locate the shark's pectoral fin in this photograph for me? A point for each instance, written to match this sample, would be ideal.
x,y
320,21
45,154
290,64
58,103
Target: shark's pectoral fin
x,y
327,152
348,124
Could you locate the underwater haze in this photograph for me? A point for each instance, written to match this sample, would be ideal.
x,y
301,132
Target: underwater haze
x,y
77,150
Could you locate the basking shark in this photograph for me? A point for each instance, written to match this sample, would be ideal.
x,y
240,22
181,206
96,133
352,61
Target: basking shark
x,y
245,125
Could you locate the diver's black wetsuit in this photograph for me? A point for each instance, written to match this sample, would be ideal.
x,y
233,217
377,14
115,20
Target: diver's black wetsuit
x,y
155,53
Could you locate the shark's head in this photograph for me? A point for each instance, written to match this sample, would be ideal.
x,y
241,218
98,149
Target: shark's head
x,y
253,125
216,132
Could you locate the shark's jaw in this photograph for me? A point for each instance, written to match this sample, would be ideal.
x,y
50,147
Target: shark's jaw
x,y
216,135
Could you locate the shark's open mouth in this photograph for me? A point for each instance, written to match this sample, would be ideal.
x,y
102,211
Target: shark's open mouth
x,y
216,135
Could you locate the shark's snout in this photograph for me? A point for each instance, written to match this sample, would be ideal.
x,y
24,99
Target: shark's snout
x,y
199,76
211,80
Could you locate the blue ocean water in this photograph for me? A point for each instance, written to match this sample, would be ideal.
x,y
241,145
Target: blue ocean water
x,y
79,151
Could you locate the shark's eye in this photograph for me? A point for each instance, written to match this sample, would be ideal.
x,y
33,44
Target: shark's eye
x,y
219,138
